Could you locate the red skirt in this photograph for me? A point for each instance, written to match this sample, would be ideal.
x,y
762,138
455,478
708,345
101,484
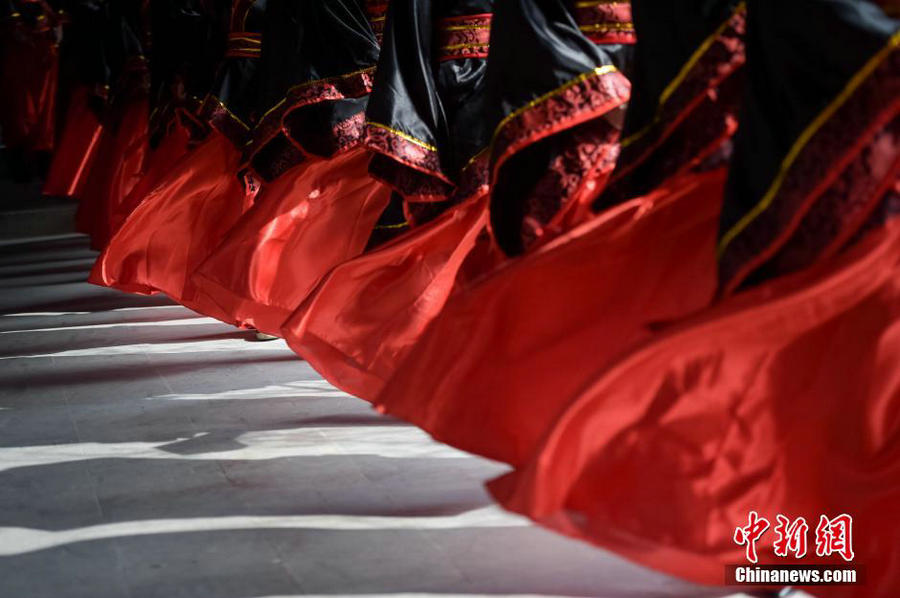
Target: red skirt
x,y
76,149
313,217
782,400
30,64
176,227
497,365
117,168
366,314
159,164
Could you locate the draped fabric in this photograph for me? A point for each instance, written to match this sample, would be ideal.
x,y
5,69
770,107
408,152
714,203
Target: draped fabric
x,y
645,253
425,119
437,189
609,381
776,401
118,166
318,204
187,41
165,156
176,225
29,61
187,213
311,218
316,71
686,79
557,97
77,148
363,317
431,144
122,146
810,164
83,84
546,321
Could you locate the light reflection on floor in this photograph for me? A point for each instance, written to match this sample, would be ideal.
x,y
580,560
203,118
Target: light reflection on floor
x,y
149,452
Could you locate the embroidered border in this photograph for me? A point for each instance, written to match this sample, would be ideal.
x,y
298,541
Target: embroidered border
x,y
718,58
465,36
822,152
558,201
587,96
473,180
843,209
219,117
606,21
272,124
376,10
405,149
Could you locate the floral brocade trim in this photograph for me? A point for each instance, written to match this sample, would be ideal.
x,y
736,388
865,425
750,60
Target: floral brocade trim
x,y
474,180
218,116
557,202
349,85
412,184
701,140
406,150
840,212
585,97
579,109
272,123
244,44
605,21
342,136
719,57
465,36
822,153
376,10
285,150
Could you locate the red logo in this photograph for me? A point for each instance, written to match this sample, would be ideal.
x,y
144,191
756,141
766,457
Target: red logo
x,y
833,536
790,536
750,534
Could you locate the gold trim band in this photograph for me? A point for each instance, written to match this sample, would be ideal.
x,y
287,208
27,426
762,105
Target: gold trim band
x,y
592,3
604,27
683,73
595,72
464,47
464,27
804,138
403,135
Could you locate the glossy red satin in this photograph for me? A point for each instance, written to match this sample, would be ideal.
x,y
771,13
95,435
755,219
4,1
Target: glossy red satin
x,y
785,399
117,168
29,62
159,165
313,217
76,149
176,226
364,316
497,365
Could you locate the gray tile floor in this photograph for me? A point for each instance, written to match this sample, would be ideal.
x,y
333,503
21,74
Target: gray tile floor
x,y
146,451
